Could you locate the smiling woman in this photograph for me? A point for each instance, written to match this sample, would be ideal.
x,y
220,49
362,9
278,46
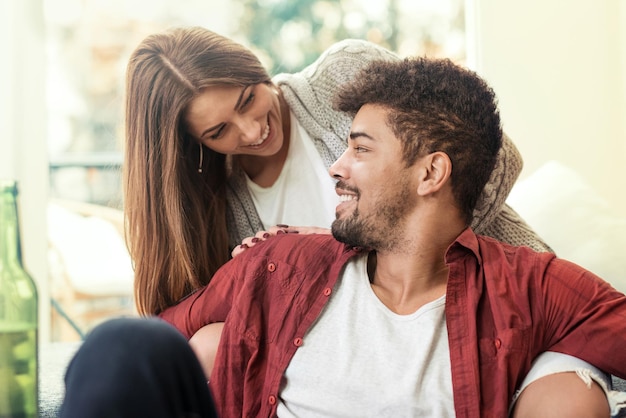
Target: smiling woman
x,y
203,99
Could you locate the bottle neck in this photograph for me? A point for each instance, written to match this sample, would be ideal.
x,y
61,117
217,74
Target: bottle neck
x,y
10,246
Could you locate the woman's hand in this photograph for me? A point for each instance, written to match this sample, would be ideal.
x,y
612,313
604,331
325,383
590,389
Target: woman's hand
x,y
277,230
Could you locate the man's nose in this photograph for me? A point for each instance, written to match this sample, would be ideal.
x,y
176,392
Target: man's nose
x,y
338,169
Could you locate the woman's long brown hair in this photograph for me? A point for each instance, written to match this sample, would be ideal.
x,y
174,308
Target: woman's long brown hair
x,y
175,216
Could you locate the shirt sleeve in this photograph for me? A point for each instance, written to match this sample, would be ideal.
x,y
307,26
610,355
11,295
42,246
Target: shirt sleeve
x,y
584,316
209,304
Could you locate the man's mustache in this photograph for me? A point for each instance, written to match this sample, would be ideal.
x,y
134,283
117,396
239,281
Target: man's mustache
x,y
342,185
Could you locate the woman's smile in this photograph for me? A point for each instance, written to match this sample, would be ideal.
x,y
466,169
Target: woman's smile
x,y
262,139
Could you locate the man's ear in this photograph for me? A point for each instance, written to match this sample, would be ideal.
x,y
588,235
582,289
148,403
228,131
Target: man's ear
x,y
436,169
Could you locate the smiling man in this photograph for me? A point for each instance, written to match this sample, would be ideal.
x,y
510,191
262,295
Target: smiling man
x,y
405,311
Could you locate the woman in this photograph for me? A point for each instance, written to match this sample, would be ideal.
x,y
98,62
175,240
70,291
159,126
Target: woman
x,y
216,151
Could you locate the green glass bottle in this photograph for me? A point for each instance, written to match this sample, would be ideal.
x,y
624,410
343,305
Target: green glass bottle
x,y
18,316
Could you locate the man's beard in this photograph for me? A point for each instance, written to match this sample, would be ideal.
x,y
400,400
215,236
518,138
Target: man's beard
x,y
380,230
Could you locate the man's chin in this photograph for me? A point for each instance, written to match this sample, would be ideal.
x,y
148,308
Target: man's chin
x,y
348,234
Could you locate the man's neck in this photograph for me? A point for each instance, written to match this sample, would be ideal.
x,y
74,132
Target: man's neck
x,y
406,278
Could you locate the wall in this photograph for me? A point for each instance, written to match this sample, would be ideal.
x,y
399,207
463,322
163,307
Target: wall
x,y
559,71
23,145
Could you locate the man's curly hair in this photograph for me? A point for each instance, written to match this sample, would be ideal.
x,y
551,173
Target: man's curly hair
x,y
434,105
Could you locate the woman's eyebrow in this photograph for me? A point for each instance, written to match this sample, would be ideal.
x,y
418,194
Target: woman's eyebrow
x,y
239,99
243,90
211,129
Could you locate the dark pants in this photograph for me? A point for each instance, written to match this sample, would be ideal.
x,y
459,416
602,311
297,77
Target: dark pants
x,y
135,367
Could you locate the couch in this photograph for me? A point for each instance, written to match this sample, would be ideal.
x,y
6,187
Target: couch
x,y
554,200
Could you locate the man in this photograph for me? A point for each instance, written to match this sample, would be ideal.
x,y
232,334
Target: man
x,y
410,313
407,312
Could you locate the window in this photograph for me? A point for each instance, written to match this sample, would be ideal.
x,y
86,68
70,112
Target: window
x,y
88,43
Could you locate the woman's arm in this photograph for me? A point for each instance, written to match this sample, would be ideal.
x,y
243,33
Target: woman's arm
x,y
492,216
209,304
204,343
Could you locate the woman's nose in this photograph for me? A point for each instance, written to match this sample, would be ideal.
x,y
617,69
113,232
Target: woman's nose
x,y
250,130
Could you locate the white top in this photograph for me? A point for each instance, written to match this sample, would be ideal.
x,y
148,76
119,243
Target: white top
x,y
360,359
304,193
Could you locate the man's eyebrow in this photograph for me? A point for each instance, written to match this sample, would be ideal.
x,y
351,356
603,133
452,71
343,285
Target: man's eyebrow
x,y
356,134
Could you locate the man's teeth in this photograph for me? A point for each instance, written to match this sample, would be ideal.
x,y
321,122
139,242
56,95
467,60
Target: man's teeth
x,y
346,197
266,132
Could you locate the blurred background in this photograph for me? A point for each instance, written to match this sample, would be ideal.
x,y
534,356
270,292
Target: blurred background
x,y
88,43
557,68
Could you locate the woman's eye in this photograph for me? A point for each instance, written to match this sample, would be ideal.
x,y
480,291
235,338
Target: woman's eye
x,y
248,100
219,132
359,149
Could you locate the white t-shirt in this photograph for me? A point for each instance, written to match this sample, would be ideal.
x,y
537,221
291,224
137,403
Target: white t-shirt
x,y
360,359
304,193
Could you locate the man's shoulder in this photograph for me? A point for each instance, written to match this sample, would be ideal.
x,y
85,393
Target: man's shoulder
x,y
513,266
490,252
494,247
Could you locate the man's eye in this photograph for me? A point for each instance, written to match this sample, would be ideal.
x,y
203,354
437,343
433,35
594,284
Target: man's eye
x,y
359,149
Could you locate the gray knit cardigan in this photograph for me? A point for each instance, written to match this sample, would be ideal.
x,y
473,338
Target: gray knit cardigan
x,y
309,96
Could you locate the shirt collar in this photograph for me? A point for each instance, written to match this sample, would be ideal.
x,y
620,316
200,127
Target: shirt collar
x,y
465,243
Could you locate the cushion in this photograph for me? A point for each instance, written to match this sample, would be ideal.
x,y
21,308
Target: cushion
x,y
574,220
91,251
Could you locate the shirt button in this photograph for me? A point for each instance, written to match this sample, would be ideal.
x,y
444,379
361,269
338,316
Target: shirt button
x,y
297,342
357,249
498,343
328,291
272,400
271,267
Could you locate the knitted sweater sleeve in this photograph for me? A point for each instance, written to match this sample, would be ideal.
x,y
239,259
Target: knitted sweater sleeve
x,y
309,94
492,216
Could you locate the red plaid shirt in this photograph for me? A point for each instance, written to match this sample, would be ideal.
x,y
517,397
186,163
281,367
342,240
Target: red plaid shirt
x,y
504,306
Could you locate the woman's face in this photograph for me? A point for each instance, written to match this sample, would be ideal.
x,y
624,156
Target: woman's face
x,y
237,120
